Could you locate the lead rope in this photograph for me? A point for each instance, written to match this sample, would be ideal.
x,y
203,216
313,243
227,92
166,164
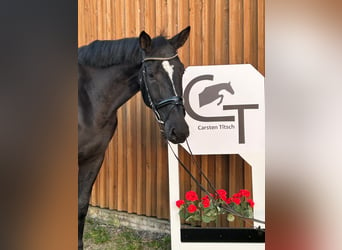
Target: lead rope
x,y
226,207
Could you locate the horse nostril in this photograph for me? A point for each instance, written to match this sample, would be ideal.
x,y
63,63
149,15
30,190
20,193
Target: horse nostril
x,y
173,132
177,135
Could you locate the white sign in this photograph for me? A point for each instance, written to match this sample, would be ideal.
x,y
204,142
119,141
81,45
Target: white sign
x,y
226,115
225,108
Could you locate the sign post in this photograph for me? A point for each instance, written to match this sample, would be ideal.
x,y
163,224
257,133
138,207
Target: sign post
x,y
226,115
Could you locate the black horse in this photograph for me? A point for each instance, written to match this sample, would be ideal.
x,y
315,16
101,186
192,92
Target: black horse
x,y
110,73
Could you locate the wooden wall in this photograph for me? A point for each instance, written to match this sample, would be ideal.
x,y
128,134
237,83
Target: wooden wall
x,y
134,175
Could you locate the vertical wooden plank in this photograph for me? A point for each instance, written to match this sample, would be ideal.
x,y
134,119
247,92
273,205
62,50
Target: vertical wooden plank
x,y
86,21
172,20
112,173
93,196
225,37
122,191
130,21
232,179
225,183
131,156
149,162
184,178
211,177
196,32
236,31
98,12
183,21
205,171
236,164
122,172
154,178
80,22
219,179
261,35
93,23
162,180
248,184
108,20
219,32
208,32
250,32
87,17
161,17
139,147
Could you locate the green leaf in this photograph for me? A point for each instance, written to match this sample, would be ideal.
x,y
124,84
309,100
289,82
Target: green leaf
x,y
211,213
250,212
189,219
182,213
207,219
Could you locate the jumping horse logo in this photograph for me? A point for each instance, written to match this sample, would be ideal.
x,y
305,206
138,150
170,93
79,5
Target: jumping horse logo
x,y
211,93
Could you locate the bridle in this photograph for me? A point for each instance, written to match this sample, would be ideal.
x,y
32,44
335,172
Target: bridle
x,y
174,100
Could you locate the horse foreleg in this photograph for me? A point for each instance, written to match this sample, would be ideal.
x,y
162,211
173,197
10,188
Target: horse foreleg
x,y
87,173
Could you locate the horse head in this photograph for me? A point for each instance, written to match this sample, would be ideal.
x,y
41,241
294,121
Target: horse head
x,y
161,82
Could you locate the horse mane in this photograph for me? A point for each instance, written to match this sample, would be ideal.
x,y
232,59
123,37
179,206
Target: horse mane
x,y
106,53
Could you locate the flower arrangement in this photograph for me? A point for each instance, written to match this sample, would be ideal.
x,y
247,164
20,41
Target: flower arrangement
x,y
207,208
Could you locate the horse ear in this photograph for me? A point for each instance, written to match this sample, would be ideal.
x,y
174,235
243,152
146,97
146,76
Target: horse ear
x,y
178,40
145,41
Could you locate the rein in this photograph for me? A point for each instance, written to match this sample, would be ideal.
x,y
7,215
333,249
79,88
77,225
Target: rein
x,y
173,100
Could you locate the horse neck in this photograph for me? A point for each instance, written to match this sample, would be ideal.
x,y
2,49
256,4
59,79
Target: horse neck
x,y
110,89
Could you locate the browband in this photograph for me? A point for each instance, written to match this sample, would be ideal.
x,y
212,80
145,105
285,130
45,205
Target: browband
x,y
159,58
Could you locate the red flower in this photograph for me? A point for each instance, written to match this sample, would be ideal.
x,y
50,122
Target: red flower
x,y
245,192
229,200
237,195
205,197
192,208
237,201
222,194
205,202
179,203
191,196
251,202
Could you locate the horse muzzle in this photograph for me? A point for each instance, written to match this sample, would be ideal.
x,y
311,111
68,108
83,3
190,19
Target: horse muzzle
x,y
177,133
